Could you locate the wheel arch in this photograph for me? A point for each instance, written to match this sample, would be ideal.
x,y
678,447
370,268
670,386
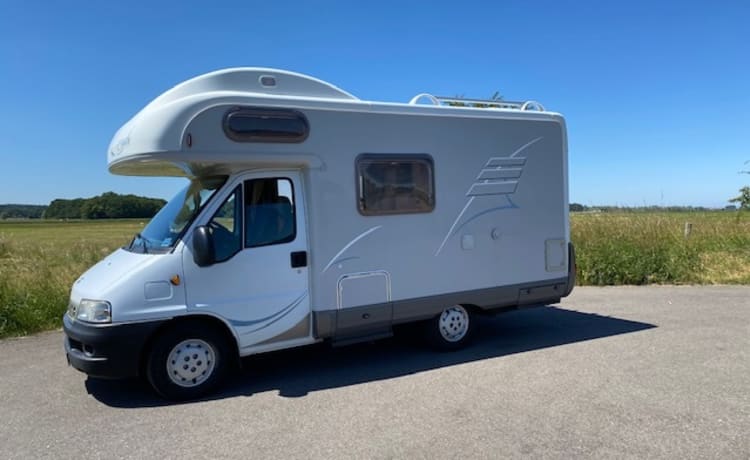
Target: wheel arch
x,y
203,319
471,308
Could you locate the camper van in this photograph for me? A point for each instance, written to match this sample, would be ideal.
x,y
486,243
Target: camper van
x,y
310,215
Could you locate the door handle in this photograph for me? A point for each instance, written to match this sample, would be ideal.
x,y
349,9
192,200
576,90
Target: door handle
x,y
299,259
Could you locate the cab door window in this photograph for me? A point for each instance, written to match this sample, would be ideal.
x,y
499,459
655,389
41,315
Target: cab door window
x,y
226,227
269,212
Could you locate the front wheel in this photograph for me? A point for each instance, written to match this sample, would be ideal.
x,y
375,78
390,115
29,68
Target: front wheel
x,y
186,362
452,329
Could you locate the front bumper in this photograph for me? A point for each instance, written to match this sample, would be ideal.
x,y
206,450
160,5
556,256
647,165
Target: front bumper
x,y
107,350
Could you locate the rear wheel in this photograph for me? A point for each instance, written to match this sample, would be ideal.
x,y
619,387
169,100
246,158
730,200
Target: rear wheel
x,y
452,329
186,362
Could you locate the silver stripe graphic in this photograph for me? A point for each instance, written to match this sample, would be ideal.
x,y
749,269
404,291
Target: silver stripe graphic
x,y
447,235
505,173
351,243
525,146
493,188
506,161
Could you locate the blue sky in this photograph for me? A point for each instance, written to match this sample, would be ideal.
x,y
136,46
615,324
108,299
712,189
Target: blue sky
x,y
656,94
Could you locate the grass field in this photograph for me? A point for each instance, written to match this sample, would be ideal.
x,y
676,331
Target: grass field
x,y
39,260
650,247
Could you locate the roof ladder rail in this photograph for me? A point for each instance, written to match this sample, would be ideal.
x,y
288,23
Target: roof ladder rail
x,y
477,103
532,105
429,97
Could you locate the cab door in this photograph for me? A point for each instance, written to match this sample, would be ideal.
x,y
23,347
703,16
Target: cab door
x,y
259,281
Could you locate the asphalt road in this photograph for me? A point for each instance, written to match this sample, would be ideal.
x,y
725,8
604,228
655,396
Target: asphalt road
x,y
642,372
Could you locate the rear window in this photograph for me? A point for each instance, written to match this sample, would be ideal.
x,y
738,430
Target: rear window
x,y
251,124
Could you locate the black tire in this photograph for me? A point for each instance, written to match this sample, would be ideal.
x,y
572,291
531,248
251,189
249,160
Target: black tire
x,y
188,350
452,329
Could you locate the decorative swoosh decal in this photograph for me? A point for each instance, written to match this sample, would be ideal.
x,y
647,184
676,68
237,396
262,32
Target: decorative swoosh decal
x,y
279,313
498,177
351,243
450,231
289,310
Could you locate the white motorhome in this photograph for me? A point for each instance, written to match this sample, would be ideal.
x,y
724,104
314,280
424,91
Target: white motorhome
x,y
311,215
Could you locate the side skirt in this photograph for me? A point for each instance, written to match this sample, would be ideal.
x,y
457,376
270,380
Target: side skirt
x,y
371,322
296,336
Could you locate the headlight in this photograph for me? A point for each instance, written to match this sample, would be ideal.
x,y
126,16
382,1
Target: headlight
x,y
94,311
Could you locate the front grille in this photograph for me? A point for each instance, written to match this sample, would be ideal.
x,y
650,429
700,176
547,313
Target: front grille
x,y
75,344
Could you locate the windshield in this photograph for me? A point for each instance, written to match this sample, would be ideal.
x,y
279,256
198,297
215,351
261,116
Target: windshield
x,y
167,226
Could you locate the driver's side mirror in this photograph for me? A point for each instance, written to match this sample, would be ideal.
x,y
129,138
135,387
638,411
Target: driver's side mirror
x,y
204,253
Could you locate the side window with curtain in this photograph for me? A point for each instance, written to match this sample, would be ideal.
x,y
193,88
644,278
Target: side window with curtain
x,y
226,227
269,212
395,184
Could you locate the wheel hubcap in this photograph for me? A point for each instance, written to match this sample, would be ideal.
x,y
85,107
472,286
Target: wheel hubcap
x,y
191,362
454,323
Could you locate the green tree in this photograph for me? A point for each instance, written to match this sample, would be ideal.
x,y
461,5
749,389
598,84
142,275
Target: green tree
x,y
64,209
743,200
577,207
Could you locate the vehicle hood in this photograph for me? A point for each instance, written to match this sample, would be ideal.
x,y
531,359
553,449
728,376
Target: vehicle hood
x,y
118,269
138,286
110,270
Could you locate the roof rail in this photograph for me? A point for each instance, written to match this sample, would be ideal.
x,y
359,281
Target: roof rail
x,y
477,103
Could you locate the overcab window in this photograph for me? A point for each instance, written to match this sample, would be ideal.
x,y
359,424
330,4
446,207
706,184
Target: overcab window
x,y
395,184
252,124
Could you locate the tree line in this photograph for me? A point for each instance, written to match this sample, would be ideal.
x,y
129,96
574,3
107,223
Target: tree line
x,y
21,211
577,207
108,205
111,205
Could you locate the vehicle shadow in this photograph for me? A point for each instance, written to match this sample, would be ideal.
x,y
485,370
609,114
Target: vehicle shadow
x,y
297,372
